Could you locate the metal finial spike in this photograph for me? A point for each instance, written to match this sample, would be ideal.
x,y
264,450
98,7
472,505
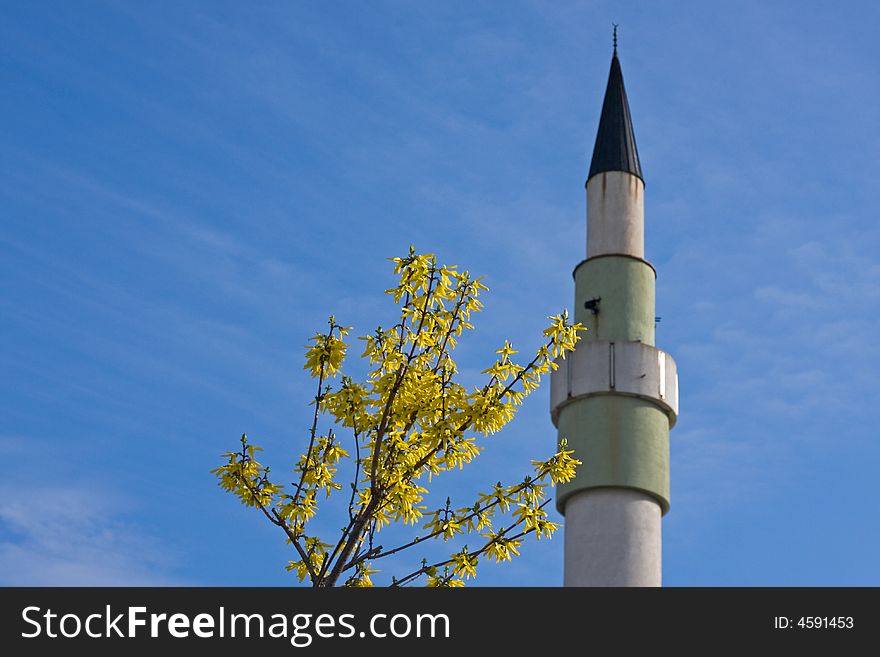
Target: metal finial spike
x,y
615,37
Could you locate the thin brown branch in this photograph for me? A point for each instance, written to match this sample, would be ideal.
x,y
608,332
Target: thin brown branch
x,y
447,562
312,432
461,297
426,537
276,519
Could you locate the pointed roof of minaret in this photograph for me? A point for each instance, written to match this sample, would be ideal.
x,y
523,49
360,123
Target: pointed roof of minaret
x,y
615,148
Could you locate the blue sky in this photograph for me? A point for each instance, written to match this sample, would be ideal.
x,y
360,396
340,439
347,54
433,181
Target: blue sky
x,y
188,189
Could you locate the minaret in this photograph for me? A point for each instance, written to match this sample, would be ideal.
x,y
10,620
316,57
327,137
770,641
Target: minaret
x,y
616,397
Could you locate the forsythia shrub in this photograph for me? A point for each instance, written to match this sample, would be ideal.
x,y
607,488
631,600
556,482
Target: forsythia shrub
x,y
408,422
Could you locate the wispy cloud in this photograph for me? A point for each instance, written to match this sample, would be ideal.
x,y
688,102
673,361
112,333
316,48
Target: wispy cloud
x,y
75,536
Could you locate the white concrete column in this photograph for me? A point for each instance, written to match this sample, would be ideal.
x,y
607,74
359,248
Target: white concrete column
x,y
612,538
615,214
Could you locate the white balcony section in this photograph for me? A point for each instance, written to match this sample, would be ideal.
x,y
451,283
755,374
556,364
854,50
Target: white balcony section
x,y
622,368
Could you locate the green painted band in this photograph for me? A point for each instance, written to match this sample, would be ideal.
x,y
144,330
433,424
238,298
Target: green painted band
x,y
622,442
625,289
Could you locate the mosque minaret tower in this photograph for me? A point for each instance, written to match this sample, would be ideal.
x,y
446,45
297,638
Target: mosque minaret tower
x,y
616,397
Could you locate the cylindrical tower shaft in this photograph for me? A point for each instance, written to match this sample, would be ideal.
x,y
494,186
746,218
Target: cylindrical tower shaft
x,y
612,538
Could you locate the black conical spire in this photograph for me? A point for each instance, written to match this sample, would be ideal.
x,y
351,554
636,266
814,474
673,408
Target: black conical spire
x,y
615,148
